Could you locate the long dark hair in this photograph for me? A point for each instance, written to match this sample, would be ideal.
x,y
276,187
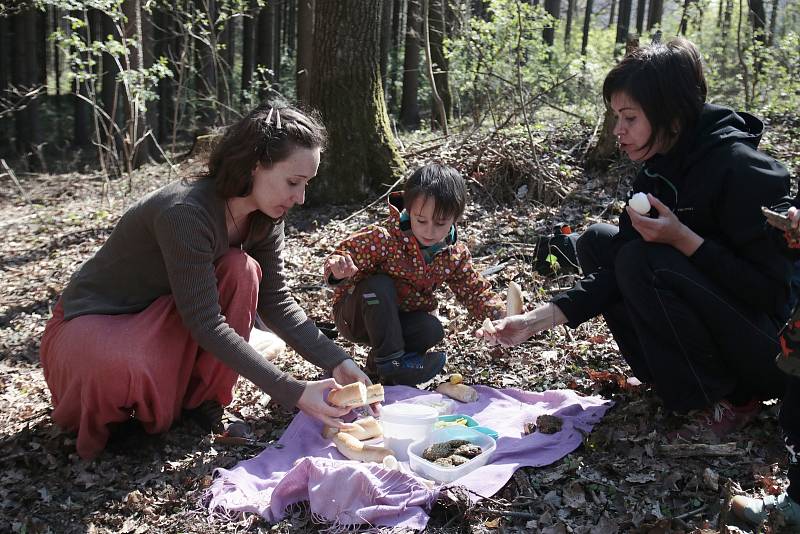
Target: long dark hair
x,y
667,81
267,135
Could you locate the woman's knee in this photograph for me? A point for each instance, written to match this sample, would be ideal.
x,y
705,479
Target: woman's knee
x,y
238,264
593,244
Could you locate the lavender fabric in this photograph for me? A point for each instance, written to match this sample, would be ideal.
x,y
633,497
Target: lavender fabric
x,y
309,468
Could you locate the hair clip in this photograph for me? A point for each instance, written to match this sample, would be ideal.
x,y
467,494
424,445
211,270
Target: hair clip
x,y
277,119
269,115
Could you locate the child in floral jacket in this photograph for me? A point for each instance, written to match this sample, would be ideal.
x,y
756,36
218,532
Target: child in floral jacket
x,y
385,277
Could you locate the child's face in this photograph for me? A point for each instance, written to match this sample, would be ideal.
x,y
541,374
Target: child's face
x,y
425,228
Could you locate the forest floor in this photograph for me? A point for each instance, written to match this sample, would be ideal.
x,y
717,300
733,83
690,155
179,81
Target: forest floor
x,y
622,479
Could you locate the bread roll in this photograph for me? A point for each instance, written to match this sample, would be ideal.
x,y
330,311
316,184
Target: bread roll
x,y
365,428
374,394
459,392
351,395
353,449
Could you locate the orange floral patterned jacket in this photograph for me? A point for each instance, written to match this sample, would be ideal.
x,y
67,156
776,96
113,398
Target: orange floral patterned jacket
x,y
388,249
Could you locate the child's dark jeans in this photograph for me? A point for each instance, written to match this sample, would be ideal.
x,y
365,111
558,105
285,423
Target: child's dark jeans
x,y
370,315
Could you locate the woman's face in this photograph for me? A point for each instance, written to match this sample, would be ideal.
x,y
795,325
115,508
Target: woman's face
x,y
282,185
632,129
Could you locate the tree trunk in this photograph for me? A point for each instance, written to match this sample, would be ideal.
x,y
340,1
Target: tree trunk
x,y
568,27
81,110
26,74
362,152
773,22
265,42
553,7
138,148
291,27
437,14
248,47
397,16
587,22
612,13
438,115
655,13
109,95
684,24
727,20
305,49
5,75
386,41
409,107
640,7
759,18
624,21
163,47
277,49
55,19
206,76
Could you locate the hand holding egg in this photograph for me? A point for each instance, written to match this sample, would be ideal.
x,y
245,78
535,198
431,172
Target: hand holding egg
x,y
639,203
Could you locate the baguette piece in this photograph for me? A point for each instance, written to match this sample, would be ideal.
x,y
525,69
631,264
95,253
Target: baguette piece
x,y
459,392
365,428
352,449
513,299
374,393
351,395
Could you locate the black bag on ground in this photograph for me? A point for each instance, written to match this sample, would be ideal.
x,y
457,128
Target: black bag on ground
x,y
556,254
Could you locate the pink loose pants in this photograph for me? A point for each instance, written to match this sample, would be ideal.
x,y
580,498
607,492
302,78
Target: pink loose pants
x,y
102,369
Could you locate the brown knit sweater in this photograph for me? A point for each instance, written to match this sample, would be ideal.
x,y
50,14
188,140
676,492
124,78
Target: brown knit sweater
x,y
167,243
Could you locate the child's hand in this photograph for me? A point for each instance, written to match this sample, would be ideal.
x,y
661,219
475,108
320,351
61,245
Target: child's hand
x,y
341,266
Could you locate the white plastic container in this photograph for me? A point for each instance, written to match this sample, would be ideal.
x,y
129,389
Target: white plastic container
x,y
405,423
448,474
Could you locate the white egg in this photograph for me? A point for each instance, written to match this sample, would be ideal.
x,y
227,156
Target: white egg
x,y
639,203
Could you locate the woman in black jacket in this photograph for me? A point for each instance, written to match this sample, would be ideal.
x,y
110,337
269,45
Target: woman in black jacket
x,y
694,291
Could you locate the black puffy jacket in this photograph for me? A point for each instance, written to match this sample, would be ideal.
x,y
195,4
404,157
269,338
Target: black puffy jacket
x,y
716,181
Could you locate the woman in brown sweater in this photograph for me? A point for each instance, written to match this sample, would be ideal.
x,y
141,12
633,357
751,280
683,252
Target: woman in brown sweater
x,y
157,321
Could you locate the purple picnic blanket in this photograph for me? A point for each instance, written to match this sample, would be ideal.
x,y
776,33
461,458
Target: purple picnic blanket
x,y
346,493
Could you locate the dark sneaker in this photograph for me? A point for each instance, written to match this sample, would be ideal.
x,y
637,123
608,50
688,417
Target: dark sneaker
x,y
410,368
207,416
756,511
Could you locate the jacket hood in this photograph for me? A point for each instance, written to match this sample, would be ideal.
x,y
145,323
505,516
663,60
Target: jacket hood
x,y
715,126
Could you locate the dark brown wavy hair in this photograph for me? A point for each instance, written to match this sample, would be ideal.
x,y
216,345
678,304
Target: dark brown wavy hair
x,y
667,80
267,135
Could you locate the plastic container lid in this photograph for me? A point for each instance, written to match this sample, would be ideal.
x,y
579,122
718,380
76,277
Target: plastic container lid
x,y
403,413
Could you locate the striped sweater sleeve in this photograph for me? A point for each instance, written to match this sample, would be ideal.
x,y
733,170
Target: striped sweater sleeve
x,y
186,241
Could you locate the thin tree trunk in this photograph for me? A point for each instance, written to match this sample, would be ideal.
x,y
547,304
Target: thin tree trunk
x,y
265,41
206,76
655,13
624,21
305,50
397,16
640,7
55,20
612,14
277,49
568,27
81,110
386,41
27,76
684,24
587,22
362,152
438,104
773,23
553,7
162,46
437,14
248,47
409,107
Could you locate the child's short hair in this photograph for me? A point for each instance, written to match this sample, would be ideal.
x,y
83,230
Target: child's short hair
x,y
667,80
443,184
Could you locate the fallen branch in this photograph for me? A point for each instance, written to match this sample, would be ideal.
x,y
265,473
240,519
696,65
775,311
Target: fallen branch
x,y
683,450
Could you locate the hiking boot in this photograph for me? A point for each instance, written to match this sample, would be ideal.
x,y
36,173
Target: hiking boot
x,y
756,511
410,368
721,420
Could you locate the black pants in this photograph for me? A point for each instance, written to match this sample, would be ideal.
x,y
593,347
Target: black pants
x,y
370,314
790,423
678,330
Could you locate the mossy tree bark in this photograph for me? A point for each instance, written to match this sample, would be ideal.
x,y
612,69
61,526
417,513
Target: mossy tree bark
x,y
346,89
